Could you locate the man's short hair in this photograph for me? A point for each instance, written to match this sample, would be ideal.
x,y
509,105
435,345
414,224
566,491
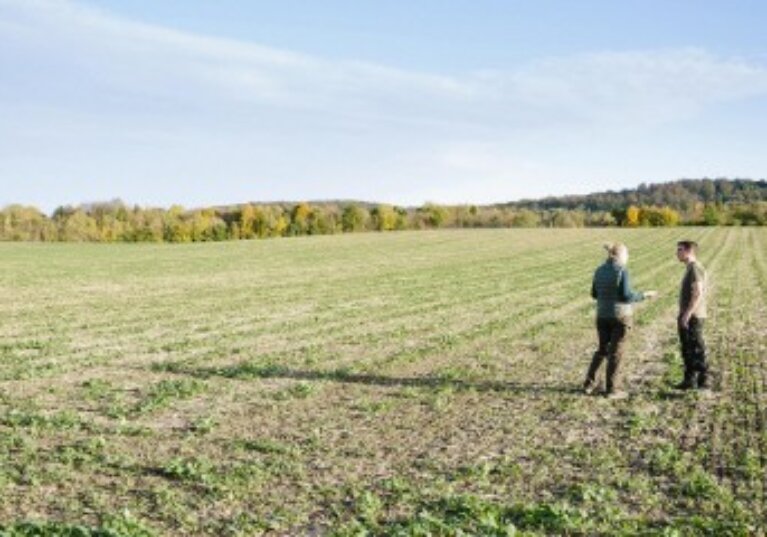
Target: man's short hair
x,y
690,246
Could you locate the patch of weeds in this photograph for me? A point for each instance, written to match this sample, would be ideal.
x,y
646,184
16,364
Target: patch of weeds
x,y
252,473
203,425
701,484
179,345
33,370
126,525
97,389
13,442
674,368
123,525
299,390
250,370
369,507
61,421
408,392
196,470
664,459
601,502
116,411
637,423
341,373
125,428
711,527
373,407
312,442
477,473
453,374
82,453
507,469
52,529
447,341
595,511
592,494
441,398
165,392
242,525
750,465
266,446
462,515
178,367
105,393
640,484
165,499
29,345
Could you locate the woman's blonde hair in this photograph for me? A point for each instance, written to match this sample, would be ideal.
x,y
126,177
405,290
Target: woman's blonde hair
x,y
615,250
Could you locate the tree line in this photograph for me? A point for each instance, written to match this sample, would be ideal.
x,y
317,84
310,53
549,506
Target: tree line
x,y
117,222
684,195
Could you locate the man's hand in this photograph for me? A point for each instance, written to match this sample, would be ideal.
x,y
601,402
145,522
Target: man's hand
x,y
697,293
650,294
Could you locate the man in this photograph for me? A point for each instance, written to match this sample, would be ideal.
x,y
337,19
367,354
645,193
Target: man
x,y
611,287
692,313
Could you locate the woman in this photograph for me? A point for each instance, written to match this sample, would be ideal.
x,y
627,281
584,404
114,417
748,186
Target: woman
x,y
611,288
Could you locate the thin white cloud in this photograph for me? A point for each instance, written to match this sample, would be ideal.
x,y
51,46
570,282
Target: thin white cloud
x,y
135,57
644,86
77,80
129,57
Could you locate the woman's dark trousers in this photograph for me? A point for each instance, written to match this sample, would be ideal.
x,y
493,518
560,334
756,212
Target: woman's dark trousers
x,y
612,336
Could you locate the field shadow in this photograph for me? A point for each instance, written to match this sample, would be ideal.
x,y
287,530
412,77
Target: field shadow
x,y
246,371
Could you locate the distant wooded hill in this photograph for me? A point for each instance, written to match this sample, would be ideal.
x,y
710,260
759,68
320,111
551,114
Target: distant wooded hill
x,y
682,195
685,202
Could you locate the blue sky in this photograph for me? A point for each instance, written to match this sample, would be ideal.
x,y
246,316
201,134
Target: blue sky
x,y
200,102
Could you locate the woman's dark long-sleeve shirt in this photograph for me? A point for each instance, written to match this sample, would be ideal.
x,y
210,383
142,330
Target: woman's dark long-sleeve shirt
x,y
612,290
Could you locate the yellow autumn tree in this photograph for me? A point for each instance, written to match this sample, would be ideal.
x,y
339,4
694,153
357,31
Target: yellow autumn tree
x,y
633,215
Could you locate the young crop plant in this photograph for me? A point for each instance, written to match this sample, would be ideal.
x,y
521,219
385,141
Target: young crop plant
x,y
166,392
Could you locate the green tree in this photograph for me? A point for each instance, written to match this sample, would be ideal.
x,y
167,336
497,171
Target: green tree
x,y
434,216
526,218
75,225
568,219
300,219
354,218
21,223
207,226
145,225
713,215
175,226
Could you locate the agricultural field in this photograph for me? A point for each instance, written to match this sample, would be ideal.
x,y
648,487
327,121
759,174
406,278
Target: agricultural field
x,y
413,383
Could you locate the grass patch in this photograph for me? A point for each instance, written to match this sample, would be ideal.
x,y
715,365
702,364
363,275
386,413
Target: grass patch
x,y
165,392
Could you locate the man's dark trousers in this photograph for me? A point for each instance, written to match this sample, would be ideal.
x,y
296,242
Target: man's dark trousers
x,y
693,352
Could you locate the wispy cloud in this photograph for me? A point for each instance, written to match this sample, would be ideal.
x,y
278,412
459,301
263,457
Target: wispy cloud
x,y
654,86
70,68
130,58
127,57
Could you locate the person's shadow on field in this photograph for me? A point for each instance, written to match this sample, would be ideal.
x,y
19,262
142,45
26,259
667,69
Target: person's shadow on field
x,y
250,371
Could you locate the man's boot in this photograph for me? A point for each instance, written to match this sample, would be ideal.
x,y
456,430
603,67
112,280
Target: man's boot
x,y
687,383
704,382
